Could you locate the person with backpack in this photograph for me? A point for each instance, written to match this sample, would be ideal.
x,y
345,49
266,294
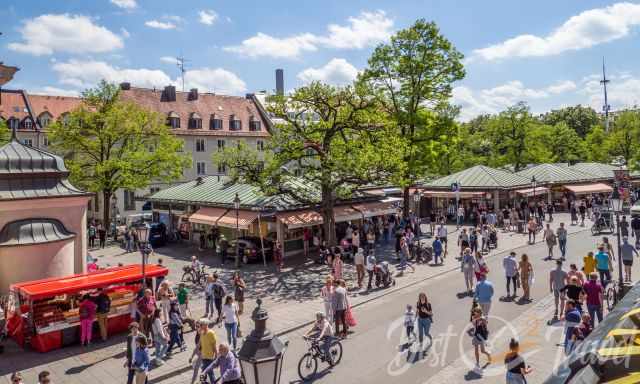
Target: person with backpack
x,y
175,328
219,293
160,337
103,307
515,365
479,332
92,235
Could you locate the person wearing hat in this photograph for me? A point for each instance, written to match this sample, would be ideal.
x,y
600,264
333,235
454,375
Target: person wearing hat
x,y
321,331
626,252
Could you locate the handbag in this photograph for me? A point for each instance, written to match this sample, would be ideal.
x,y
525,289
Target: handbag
x,y
351,321
238,331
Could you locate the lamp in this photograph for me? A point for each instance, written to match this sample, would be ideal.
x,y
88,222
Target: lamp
x,y
142,230
262,353
236,205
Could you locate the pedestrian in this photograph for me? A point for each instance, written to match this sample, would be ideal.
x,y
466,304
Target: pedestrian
x,y
484,238
175,328
532,226
208,348
102,235
196,353
239,287
581,331
551,240
208,296
87,312
183,300
572,319
505,219
337,266
525,270
224,249
306,237
583,212
574,272
409,321
594,291
160,337
16,378
589,264
624,227
510,266
557,281
164,296
484,294
626,253
141,360
146,306
327,297
460,219
203,240
516,367
635,229
603,264
479,333
437,250
340,304
160,279
219,292
92,235
231,321
442,235
43,377
359,262
371,240
215,237
574,291
473,240
467,266
355,241
425,319
550,211
128,240
574,214
230,372
609,248
277,256
481,269
404,259
371,266
103,307
463,241
561,234
131,348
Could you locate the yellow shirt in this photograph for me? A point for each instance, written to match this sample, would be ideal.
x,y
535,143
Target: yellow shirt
x,y
208,345
589,266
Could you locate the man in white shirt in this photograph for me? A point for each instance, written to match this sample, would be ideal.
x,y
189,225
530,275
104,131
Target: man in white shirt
x,y
359,261
510,266
371,264
460,216
442,234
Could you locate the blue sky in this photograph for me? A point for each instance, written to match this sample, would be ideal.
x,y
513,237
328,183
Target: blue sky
x,y
548,53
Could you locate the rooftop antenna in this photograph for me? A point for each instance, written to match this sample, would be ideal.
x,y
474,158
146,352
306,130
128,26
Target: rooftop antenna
x,y
606,107
181,61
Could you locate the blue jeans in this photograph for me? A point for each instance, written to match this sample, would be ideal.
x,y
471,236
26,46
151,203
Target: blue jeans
x,y
605,277
232,333
204,365
424,328
174,336
208,306
129,245
435,257
325,345
563,247
161,347
595,310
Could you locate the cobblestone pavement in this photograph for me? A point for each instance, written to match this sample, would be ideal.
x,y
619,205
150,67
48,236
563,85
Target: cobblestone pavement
x,y
291,298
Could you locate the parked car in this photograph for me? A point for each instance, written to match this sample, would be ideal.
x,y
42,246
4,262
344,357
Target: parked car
x,y
157,234
250,249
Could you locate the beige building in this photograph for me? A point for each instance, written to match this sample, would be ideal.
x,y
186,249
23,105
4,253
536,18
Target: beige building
x,y
206,122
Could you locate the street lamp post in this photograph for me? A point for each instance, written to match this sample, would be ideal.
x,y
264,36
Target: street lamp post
x,y
616,204
236,205
142,230
262,352
416,200
534,184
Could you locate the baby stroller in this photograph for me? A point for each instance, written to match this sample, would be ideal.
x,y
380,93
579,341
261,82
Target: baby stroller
x,y
383,275
423,253
493,238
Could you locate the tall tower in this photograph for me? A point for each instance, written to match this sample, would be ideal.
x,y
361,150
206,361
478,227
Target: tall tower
x,y
180,61
606,107
279,81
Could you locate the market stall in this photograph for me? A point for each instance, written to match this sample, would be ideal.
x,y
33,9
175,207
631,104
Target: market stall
x,y
46,313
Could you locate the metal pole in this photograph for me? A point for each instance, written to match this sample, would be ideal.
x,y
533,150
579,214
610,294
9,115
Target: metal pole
x,y
620,277
264,257
237,236
144,250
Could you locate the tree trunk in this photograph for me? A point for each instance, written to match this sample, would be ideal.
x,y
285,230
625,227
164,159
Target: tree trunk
x,y
106,209
329,225
406,200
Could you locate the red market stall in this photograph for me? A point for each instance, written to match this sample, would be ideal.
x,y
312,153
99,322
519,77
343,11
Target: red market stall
x,y
47,315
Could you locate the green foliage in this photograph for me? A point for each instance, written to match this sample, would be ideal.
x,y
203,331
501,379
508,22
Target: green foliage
x,y
596,145
622,141
508,133
110,144
579,118
555,144
5,133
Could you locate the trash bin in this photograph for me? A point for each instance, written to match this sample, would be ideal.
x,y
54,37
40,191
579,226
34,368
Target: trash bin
x,y
520,226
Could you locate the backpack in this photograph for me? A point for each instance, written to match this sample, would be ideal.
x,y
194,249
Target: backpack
x,y
218,291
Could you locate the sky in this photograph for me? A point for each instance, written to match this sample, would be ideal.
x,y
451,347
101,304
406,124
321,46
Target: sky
x,y
547,53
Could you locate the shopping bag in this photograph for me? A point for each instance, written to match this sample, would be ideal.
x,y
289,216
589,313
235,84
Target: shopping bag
x,y
532,279
351,321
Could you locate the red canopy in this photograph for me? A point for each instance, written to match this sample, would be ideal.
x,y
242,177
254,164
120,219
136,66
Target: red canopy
x,y
41,289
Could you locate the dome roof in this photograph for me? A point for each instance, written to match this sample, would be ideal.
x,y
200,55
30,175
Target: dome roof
x,y
33,231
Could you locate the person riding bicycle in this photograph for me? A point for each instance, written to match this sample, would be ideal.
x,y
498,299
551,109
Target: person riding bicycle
x,y
195,264
321,332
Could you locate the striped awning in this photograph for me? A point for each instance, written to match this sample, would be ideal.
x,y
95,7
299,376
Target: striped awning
x,y
589,188
300,219
530,191
377,208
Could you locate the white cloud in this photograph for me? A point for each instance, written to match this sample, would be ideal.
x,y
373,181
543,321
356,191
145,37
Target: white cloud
x,y
125,4
169,59
208,17
367,29
589,28
336,71
160,24
623,91
49,33
83,74
54,91
496,99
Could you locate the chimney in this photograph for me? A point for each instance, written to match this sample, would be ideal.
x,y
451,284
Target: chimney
x,y
279,81
193,94
125,86
169,93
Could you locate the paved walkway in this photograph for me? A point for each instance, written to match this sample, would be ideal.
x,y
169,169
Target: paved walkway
x,y
290,297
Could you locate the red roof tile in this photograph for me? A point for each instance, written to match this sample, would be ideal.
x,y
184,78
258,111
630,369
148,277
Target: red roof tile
x,y
13,104
55,105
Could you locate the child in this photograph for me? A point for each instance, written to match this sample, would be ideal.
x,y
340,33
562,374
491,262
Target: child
x,y
437,250
409,320
589,264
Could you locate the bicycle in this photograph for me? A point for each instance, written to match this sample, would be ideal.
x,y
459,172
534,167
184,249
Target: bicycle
x,y
308,364
190,274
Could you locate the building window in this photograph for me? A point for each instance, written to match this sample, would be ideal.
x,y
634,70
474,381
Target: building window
x,y
260,145
65,119
195,121
220,145
254,125
28,142
234,125
222,169
200,147
129,200
173,120
28,124
13,123
215,124
44,120
154,190
201,168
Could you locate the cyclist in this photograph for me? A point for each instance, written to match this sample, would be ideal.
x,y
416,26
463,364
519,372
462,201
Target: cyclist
x,y
195,264
321,332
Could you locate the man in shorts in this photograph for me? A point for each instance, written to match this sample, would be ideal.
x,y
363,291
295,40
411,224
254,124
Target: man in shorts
x,y
627,251
557,281
442,235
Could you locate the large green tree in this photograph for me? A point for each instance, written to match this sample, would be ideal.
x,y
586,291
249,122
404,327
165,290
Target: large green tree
x,y
111,144
334,139
579,118
596,145
5,134
555,144
414,71
623,138
508,133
